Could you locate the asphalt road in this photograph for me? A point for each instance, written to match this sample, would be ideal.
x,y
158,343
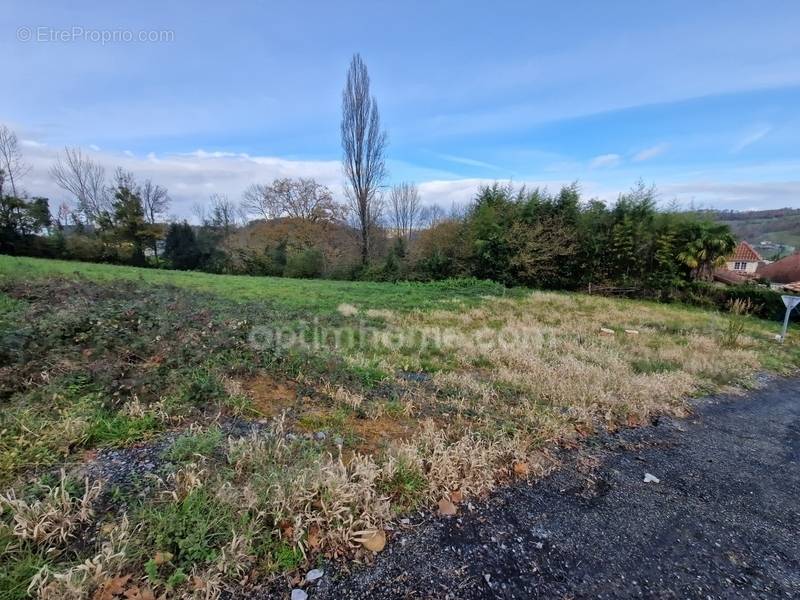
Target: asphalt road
x,y
724,521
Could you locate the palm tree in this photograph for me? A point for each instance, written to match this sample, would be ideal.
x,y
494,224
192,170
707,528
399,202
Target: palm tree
x,y
706,249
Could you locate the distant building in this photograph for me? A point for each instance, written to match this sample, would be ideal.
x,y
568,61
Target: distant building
x,y
783,271
744,260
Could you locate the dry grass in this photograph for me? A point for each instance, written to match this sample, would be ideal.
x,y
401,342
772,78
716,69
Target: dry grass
x,y
542,364
82,581
472,396
53,519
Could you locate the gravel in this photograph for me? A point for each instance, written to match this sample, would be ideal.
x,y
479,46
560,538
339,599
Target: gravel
x,y
723,522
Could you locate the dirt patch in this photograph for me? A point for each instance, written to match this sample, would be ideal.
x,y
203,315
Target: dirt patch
x,y
377,434
269,396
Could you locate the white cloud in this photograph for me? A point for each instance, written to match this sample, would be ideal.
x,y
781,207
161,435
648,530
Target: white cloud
x,y
470,162
446,193
649,153
190,178
735,196
755,134
605,161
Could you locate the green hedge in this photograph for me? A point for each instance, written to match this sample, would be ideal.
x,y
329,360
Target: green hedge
x,y
767,303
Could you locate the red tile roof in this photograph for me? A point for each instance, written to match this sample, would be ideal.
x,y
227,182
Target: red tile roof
x,y
785,270
745,252
793,287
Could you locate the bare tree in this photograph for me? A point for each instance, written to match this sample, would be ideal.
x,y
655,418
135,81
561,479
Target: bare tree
x,y
223,214
295,198
11,163
123,179
431,215
85,179
258,200
155,202
199,211
404,204
363,146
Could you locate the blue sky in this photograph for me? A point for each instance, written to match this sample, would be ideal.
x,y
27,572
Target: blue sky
x,y
700,98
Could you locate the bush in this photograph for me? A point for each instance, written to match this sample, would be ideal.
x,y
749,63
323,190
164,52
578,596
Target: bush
x,y
307,264
766,303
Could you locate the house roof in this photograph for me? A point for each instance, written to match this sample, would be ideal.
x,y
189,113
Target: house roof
x,y
793,287
785,270
745,252
728,277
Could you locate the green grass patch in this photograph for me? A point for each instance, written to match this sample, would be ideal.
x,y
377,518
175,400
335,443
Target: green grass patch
x,y
318,296
194,444
18,566
192,529
121,430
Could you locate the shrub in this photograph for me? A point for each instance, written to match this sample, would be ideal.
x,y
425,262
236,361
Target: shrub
x,y
765,303
306,264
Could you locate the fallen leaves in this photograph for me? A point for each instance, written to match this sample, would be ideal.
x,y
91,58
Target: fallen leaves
x,y
314,538
447,508
137,593
521,469
373,540
114,588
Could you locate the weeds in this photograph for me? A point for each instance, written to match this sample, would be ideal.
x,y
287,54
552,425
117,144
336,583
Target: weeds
x,y
56,517
192,529
113,365
739,310
194,445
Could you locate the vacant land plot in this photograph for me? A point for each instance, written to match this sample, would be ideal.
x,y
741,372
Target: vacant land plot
x,y
175,434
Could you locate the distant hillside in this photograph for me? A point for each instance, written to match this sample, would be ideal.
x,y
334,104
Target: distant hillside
x,y
780,226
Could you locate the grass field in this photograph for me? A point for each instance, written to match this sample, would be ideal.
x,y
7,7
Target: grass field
x,y
188,433
313,295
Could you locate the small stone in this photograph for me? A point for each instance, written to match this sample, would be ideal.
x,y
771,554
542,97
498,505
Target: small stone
x,y
320,436
650,478
606,331
314,574
298,594
632,331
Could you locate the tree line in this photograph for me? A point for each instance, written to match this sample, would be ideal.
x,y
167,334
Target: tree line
x,y
296,227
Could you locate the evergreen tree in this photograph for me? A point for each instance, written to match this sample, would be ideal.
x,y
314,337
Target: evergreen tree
x,y
181,248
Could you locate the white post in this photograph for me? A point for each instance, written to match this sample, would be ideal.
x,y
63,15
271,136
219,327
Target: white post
x,y
785,324
790,302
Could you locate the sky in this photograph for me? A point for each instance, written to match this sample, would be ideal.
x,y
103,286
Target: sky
x,y
699,98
